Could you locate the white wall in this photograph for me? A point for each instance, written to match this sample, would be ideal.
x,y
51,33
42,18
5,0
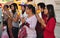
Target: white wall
x,y
50,2
37,1
46,1
24,0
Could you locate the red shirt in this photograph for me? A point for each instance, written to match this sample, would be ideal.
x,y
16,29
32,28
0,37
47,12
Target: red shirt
x,y
49,30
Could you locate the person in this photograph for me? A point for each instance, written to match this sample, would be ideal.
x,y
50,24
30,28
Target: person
x,y
0,18
39,28
51,22
23,7
23,14
30,22
10,8
4,15
0,13
7,20
15,18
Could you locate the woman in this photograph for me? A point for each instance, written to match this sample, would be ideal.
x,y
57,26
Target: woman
x,y
7,20
23,14
23,7
30,22
15,18
49,26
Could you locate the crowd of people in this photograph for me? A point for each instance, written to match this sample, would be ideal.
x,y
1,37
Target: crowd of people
x,y
29,24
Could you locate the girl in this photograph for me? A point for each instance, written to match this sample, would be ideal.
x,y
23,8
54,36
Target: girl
x,y
7,20
30,22
49,26
15,18
23,14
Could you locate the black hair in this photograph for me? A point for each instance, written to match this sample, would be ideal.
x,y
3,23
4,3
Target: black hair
x,y
9,6
24,6
6,6
15,7
32,8
29,0
51,12
24,9
42,5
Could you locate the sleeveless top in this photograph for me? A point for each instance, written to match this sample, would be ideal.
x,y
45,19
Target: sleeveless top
x,y
15,24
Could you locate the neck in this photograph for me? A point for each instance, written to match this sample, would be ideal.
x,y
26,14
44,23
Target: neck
x,y
42,10
29,15
23,12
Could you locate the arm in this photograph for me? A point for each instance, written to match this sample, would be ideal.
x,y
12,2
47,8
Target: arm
x,y
9,15
50,25
15,19
39,19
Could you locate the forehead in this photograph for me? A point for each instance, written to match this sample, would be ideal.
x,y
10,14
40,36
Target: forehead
x,y
4,7
11,5
38,6
45,7
26,7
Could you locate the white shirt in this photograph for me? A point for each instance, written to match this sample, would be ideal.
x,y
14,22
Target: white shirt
x,y
23,15
31,32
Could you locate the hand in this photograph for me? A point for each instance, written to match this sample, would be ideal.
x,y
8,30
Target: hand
x,y
43,23
36,14
38,18
3,11
2,29
23,20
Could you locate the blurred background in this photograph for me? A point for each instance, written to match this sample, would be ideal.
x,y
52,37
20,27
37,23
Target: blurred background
x,y
56,4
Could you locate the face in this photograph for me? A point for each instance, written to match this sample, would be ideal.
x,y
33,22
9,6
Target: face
x,y
45,11
28,10
5,8
12,7
22,7
39,8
